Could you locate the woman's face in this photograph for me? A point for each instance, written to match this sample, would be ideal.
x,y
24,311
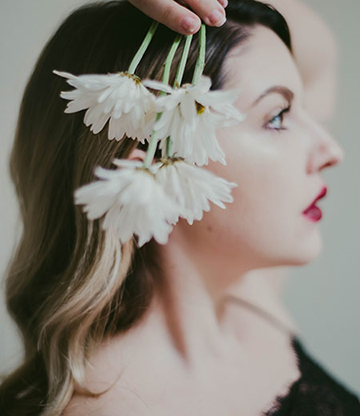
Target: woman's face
x,y
276,163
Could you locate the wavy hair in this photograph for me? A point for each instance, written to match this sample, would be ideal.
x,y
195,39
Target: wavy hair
x,y
69,284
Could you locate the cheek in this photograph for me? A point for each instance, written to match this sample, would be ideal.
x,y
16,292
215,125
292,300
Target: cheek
x,y
266,211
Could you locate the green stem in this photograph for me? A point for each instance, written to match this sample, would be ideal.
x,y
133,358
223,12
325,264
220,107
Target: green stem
x,y
140,53
168,146
166,75
183,60
169,59
178,79
200,63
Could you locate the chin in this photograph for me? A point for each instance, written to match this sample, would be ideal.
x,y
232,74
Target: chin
x,y
299,253
308,251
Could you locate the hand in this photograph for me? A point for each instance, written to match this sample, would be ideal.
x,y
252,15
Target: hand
x,y
177,16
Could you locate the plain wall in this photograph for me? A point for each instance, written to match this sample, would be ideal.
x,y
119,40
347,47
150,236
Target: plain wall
x,y
323,297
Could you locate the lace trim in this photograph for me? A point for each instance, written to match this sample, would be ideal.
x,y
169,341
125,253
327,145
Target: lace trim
x,y
278,403
315,393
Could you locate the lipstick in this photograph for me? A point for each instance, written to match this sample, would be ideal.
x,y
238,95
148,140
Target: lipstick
x,y
312,212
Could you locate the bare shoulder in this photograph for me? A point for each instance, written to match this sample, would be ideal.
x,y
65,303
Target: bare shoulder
x,y
148,378
106,373
118,402
120,395
126,366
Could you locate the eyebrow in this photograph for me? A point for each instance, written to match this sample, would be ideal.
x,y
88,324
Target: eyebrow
x,y
278,89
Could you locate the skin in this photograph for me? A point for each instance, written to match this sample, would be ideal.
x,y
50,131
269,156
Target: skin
x,y
190,341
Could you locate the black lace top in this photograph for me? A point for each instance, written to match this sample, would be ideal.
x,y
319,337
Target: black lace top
x,y
315,393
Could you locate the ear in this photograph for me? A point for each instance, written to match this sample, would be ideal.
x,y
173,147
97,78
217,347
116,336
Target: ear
x,y
138,154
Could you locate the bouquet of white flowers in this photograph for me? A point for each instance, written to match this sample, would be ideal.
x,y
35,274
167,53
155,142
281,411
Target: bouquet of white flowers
x,y
147,199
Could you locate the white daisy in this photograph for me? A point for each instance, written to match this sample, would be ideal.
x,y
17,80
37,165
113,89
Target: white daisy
x,y
192,187
120,97
187,118
221,101
132,201
204,144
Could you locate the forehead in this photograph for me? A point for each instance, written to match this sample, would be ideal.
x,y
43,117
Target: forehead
x,y
261,62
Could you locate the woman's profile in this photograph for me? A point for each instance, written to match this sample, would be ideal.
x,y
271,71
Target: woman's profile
x,y
118,329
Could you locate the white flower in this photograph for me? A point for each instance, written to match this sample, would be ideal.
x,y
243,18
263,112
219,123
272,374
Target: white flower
x,y
187,118
132,200
192,187
221,101
204,143
120,97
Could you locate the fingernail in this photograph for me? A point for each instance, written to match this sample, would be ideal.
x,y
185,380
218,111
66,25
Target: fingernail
x,y
217,18
189,24
224,3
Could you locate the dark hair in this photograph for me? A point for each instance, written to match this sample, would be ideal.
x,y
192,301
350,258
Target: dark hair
x,y
66,288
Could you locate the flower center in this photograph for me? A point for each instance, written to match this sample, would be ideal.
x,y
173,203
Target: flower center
x,y
170,160
134,77
199,108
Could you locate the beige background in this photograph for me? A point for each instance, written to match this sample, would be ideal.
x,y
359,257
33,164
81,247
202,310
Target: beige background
x,y
323,296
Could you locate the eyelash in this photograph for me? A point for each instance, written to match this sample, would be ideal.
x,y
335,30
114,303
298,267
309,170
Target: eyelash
x,y
280,114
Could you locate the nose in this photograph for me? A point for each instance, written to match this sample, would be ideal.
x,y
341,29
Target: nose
x,y
327,152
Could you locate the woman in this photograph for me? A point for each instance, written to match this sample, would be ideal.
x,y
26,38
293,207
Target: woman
x,y
154,328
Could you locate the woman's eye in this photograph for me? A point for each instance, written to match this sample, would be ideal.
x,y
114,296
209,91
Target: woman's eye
x,y
276,122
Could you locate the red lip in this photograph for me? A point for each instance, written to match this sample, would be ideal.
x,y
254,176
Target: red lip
x,y
321,194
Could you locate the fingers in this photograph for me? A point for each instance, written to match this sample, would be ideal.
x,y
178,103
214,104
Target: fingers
x,y
171,14
179,18
210,11
224,3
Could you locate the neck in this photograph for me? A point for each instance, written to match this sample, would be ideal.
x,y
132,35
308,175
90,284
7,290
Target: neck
x,y
191,304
